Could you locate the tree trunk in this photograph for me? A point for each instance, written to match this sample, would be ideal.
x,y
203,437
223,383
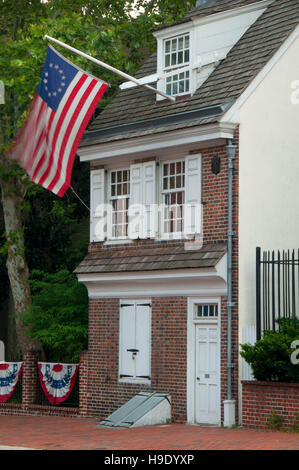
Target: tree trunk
x,y
17,267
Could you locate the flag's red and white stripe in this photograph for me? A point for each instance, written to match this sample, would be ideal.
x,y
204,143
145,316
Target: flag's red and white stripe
x,y
47,146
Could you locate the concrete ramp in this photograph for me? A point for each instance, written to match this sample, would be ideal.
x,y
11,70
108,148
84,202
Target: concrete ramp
x,y
144,409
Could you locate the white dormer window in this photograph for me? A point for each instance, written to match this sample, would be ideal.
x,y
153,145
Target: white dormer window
x,y
177,52
177,57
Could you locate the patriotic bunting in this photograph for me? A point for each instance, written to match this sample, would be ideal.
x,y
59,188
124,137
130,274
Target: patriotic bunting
x,y
57,380
10,372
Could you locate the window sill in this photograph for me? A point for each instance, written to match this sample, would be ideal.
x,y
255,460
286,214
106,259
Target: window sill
x,y
133,381
123,241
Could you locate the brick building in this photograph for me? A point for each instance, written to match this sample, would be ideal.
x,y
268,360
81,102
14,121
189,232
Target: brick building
x,y
181,195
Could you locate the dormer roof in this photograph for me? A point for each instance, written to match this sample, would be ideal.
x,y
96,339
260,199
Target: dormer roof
x,y
135,111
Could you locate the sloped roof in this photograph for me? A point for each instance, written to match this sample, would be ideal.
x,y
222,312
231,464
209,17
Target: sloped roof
x,y
150,259
217,7
226,83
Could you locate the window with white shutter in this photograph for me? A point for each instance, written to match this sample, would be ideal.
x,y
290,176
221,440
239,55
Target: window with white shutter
x,y
192,207
142,204
135,341
119,183
98,208
181,197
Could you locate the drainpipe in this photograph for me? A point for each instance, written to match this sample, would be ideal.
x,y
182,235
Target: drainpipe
x,y
229,403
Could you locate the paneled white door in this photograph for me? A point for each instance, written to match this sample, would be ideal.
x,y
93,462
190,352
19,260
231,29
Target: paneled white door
x,y
207,374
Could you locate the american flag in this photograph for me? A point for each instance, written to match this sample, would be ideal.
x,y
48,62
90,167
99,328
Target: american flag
x,y
62,107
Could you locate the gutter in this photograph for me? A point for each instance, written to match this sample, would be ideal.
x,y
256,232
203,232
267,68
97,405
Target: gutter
x,y
168,120
229,404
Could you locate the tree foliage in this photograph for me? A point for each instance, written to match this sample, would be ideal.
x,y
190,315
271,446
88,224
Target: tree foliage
x,y
58,315
51,233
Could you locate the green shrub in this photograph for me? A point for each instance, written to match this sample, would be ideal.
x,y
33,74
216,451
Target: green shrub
x,y
275,421
58,317
270,357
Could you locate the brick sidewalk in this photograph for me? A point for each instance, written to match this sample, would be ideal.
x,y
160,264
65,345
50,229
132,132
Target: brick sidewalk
x,y
53,433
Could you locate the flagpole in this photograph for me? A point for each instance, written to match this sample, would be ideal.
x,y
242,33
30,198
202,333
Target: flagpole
x,y
109,67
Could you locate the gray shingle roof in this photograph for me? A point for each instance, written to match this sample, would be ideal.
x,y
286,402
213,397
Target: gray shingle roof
x,y
230,78
218,6
151,259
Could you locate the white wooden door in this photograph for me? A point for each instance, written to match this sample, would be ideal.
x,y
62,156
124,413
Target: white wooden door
x,y
207,374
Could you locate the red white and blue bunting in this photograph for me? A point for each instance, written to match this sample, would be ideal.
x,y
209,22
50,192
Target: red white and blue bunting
x,y
57,380
10,373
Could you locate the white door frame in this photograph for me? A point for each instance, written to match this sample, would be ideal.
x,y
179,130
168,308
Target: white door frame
x,y
191,373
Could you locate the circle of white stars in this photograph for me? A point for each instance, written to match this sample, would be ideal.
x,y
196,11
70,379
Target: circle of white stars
x,y
62,80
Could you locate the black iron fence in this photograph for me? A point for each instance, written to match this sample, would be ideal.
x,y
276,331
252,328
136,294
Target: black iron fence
x,y
277,288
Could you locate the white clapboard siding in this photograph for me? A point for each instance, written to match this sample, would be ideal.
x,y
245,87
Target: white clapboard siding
x,y
192,212
248,336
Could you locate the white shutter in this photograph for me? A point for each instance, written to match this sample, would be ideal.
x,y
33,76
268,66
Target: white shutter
x,y
127,340
142,207
150,222
135,203
143,341
98,223
192,207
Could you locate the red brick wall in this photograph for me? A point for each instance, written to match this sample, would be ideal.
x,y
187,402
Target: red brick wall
x,y
169,350
169,315
260,399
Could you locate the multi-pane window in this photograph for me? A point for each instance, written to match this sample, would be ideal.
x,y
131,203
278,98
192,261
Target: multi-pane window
x,y
206,311
177,56
177,51
173,196
119,194
178,83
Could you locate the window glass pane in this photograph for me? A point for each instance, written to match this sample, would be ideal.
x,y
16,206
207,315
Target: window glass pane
x,y
187,56
180,57
167,46
173,59
181,44
172,169
165,169
187,85
178,182
167,60
181,87
113,190
165,183
207,311
113,177
175,88
119,176
125,175
172,183
187,42
174,45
